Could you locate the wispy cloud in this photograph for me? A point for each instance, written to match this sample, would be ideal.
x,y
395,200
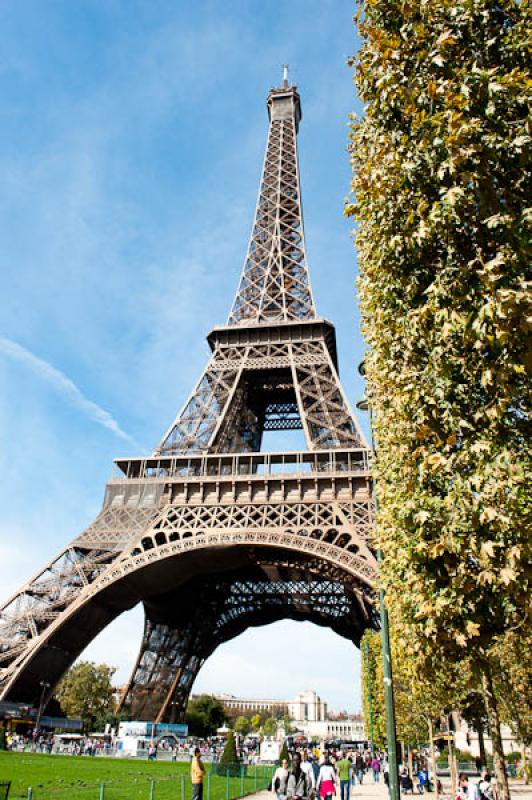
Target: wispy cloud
x,y
63,384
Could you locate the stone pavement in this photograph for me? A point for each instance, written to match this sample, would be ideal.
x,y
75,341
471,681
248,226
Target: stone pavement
x,y
379,791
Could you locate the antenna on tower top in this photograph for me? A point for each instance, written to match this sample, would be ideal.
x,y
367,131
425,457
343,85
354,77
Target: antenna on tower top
x,y
285,76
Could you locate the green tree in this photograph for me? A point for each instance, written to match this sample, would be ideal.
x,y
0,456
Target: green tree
x,y
86,692
242,725
229,762
418,703
288,724
513,685
204,715
441,182
270,726
256,722
372,678
284,755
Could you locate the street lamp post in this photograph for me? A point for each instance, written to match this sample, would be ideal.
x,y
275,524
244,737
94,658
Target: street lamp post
x,y
389,700
370,698
393,775
45,686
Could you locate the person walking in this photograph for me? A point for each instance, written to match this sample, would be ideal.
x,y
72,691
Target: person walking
x,y
360,767
344,774
306,766
297,787
315,768
376,767
326,784
422,780
386,771
280,780
462,791
485,787
197,773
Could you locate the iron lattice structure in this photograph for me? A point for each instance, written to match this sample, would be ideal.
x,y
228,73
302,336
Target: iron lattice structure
x,y
209,533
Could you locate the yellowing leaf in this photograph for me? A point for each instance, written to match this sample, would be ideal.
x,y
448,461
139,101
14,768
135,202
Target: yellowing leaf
x,y
507,575
472,628
487,548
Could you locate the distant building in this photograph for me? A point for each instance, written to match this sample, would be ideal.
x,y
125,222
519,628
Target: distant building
x,y
308,712
307,707
246,704
348,730
466,738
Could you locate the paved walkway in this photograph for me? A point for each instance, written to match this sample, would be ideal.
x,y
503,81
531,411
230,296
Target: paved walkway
x,y
379,791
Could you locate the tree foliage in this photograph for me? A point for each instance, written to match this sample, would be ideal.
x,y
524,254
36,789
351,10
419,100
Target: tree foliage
x,y
441,175
270,726
86,692
372,680
242,725
416,699
288,724
229,755
513,683
204,715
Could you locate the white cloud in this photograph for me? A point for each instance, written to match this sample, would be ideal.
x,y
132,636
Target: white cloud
x,y
64,385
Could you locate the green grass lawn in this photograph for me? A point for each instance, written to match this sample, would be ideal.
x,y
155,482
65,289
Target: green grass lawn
x,y
66,777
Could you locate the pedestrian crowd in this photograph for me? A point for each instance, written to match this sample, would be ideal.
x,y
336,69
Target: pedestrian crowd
x,y
484,789
313,774
323,776
47,743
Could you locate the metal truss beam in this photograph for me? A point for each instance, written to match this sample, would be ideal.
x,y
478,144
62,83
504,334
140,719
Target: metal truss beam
x,y
275,283
174,650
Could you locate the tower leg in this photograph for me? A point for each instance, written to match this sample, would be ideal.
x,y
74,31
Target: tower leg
x,y
165,671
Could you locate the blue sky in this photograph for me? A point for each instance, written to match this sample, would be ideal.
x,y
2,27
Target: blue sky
x,y
131,143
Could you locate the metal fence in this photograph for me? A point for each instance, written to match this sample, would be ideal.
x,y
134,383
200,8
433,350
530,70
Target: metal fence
x,y
138,787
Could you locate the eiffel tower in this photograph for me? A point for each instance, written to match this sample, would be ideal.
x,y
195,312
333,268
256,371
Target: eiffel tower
x,y
210,533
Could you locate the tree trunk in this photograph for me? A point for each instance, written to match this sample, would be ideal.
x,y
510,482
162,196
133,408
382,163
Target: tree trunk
x,y
452,760
525,765
433,758
481,745
499,765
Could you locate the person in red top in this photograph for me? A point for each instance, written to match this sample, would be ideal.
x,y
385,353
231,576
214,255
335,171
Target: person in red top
x,y
326,783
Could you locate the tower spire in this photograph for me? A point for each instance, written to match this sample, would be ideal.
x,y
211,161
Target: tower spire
x,y
275,283
273,367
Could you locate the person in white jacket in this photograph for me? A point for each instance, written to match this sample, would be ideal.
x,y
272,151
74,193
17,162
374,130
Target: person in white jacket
x,y
306,766
280,780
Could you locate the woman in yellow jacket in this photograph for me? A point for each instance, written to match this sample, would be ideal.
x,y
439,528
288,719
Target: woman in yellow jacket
x,y
197,773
